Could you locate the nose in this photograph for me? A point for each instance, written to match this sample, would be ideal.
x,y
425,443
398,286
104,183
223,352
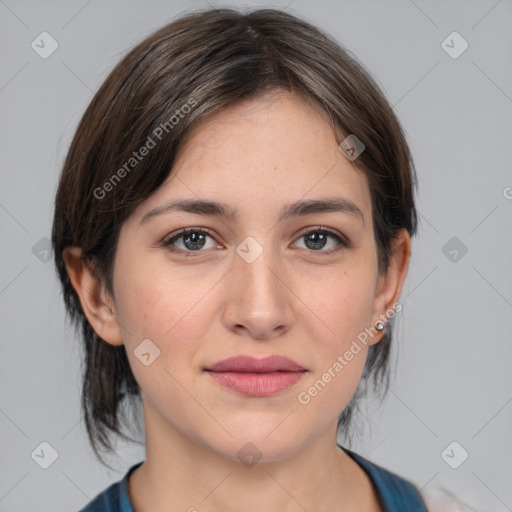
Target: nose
x,y
258,299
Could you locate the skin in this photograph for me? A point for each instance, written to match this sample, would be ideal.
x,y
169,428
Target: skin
x,y
293,300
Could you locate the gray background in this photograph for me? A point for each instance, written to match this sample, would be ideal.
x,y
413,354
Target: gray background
x,y
453,379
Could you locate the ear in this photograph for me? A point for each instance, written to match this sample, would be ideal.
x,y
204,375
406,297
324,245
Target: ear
x,y
390,282
96,303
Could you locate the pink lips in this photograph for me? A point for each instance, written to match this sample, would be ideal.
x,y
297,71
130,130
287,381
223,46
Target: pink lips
x,y
256,377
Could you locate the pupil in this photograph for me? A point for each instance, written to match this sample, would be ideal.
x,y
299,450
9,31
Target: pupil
x,y
195,242
318,240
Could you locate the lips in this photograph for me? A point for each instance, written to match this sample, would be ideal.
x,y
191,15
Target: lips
x,y
253,377
249,364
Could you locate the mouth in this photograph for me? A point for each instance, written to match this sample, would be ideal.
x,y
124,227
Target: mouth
x,y
249,376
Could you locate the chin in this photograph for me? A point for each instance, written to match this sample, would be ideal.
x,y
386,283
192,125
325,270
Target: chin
x,y
256,445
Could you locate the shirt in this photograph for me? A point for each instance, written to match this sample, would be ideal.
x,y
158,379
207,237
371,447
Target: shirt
x,y
394,492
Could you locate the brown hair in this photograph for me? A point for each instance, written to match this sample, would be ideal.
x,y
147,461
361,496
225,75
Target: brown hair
x,y
207,60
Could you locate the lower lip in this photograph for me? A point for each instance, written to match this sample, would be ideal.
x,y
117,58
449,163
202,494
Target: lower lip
x,y
257,384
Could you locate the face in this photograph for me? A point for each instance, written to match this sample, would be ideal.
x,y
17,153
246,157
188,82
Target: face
x,y
262,279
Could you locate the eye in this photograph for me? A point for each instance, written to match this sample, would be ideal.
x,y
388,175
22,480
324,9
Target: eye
x,y
191,240
318,238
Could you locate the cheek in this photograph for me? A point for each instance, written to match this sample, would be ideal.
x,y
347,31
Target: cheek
x,y
172,313
159,311
340,307
156,303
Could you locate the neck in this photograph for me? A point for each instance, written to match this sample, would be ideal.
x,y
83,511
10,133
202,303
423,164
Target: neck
x,y
189,476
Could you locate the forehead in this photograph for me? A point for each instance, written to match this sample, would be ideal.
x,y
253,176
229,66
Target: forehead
x,y
263,153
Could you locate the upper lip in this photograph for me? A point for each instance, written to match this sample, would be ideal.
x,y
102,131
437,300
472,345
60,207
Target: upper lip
x,y
251,364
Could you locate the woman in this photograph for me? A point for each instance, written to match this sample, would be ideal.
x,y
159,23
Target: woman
x,y
232,232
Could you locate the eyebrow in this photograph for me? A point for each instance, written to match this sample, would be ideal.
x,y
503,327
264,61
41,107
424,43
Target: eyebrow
x,y
216,209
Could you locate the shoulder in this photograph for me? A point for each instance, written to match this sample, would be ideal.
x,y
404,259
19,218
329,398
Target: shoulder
x,y
394,491
114,498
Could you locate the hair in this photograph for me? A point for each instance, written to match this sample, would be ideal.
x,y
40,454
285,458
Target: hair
x,y
178,76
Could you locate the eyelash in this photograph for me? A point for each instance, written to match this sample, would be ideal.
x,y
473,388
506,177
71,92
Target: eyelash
x,y
169,241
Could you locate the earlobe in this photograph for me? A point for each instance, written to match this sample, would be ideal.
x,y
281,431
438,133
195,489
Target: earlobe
x,y
390,283
96,302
